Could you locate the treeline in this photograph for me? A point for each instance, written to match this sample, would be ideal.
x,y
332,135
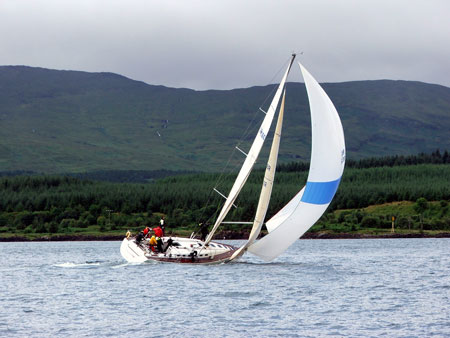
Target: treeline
x,y
61,204
146,176
126,176
373,162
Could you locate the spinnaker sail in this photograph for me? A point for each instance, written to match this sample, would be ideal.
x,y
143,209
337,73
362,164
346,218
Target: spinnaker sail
x,y
326,168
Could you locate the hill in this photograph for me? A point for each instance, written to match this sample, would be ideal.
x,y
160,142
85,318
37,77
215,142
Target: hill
x,y
67,121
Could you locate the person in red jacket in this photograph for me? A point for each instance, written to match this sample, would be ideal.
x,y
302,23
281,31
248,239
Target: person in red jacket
x,y
146,230
158,231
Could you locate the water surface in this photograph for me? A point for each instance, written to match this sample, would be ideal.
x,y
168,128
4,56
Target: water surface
x,y
358,288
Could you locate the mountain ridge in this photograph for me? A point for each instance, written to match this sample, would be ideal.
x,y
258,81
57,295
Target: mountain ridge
x,y
57,121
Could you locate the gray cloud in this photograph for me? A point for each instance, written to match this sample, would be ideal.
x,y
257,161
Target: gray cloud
x,y
229,44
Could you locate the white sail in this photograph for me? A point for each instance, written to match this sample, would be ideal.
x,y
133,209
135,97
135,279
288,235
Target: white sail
x,y
252,155
326,168
266,190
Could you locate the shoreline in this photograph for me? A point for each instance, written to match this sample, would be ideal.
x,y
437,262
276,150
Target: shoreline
x,y
224,236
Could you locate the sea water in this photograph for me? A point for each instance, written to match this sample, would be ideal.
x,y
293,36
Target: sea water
x,y
358,288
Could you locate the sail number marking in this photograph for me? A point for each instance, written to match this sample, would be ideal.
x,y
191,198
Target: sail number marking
x,y
262,134
342,156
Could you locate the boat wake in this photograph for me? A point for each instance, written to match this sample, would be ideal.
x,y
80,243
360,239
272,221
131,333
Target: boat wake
x,y
242,262
91,264
76,265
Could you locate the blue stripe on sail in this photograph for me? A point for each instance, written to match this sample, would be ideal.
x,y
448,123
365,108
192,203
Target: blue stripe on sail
x,y
320,192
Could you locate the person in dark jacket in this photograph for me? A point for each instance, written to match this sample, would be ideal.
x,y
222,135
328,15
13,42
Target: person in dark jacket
x,y
203,231
143,234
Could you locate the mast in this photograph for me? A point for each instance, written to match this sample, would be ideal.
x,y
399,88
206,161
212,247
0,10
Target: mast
x,y
266,190
252,155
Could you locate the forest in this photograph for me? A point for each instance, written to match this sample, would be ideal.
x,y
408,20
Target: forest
x,y
415,190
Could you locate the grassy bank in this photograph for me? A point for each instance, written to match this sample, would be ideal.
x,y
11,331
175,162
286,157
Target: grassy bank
x,y
371,222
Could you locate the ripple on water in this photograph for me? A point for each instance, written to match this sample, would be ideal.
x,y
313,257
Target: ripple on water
x,y
318,288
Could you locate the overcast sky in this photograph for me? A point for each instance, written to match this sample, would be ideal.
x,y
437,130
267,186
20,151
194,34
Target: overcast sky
x,y
228,44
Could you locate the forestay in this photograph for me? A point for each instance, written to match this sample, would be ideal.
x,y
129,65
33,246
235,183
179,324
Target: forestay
x,y
252,155
326,168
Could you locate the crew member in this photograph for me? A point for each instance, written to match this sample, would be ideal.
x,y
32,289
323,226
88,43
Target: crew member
x,y
203,231
152,243
146,230
162,225
141,235
159,244
158,234
158,231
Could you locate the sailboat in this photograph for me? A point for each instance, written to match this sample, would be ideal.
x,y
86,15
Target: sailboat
x,y
296,217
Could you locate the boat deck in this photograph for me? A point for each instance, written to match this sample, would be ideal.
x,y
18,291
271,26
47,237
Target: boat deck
x,y
182,250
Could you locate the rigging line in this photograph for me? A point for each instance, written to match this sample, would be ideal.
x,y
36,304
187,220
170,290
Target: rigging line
x,y
219,207
272,81
220,202
210,196
250,128
231,172
225,197
251,125
222,177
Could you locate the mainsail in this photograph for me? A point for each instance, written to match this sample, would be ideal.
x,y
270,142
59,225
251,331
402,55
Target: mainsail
x,y
267,186
326,168
252,155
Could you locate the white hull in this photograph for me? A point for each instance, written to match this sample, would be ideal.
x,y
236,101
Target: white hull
x,y
183,250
